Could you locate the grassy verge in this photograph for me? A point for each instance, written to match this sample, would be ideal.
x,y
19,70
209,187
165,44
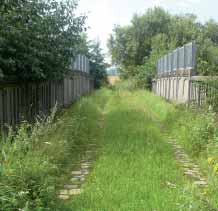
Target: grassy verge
x,y
34,166
197,132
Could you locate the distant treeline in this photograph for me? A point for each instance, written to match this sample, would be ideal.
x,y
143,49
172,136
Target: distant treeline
x,y
136,47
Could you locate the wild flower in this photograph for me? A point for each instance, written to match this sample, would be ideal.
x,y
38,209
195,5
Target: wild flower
x,y
205,192
21,193
210,160
215,168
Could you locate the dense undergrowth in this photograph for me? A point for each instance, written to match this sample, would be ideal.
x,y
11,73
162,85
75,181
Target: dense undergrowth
x,y
34,162
197,131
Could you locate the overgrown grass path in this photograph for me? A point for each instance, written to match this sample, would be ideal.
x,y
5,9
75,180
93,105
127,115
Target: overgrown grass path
x,y
135,169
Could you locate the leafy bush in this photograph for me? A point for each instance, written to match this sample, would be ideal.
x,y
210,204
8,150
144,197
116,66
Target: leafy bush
x,y
26,174
197,132
97,64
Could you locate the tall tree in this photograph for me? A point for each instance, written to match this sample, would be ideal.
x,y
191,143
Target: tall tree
x,y
38,39
97,64
137,46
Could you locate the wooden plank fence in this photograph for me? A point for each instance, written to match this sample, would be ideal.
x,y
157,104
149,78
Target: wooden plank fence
x,y
19,102
203,92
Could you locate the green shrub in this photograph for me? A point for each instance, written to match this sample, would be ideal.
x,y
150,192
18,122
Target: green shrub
x,y
26,174
197,132
38,39
194,129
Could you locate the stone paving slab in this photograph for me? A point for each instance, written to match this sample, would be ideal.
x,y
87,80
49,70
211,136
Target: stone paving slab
x,y
86,172
76,172
89,151
69,187
79,176
75,192
64,197
85,167
201,183
75,179
191,169
63,192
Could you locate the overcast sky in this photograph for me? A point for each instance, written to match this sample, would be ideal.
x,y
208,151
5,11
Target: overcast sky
x,y
104,14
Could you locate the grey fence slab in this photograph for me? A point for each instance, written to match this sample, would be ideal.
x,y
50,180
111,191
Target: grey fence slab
x,y
179,61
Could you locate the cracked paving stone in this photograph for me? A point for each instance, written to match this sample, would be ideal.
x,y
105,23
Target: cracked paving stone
x,y
76,172
86,163
186,161
183,155
92,145
78,176
177,147
88,157
74,179
85,166
201,183
180,156
85,172
203,180
84,160
81,177
78,179
63,197
75,192
192,171
186,164
68,187
197,170
63,192
193,175
89,151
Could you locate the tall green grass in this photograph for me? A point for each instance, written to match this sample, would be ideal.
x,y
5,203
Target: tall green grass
x,y
136,170
37,160
197,132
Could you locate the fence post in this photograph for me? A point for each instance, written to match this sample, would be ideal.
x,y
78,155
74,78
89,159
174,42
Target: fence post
x,y
199,95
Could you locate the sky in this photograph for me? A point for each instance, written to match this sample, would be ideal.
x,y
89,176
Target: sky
x,y
104,14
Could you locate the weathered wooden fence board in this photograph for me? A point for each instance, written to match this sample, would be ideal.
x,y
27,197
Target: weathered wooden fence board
x,y
27,101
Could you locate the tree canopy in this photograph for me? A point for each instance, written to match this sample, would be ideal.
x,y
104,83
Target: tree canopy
x,y
39,38
92,49
97,64
136,47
